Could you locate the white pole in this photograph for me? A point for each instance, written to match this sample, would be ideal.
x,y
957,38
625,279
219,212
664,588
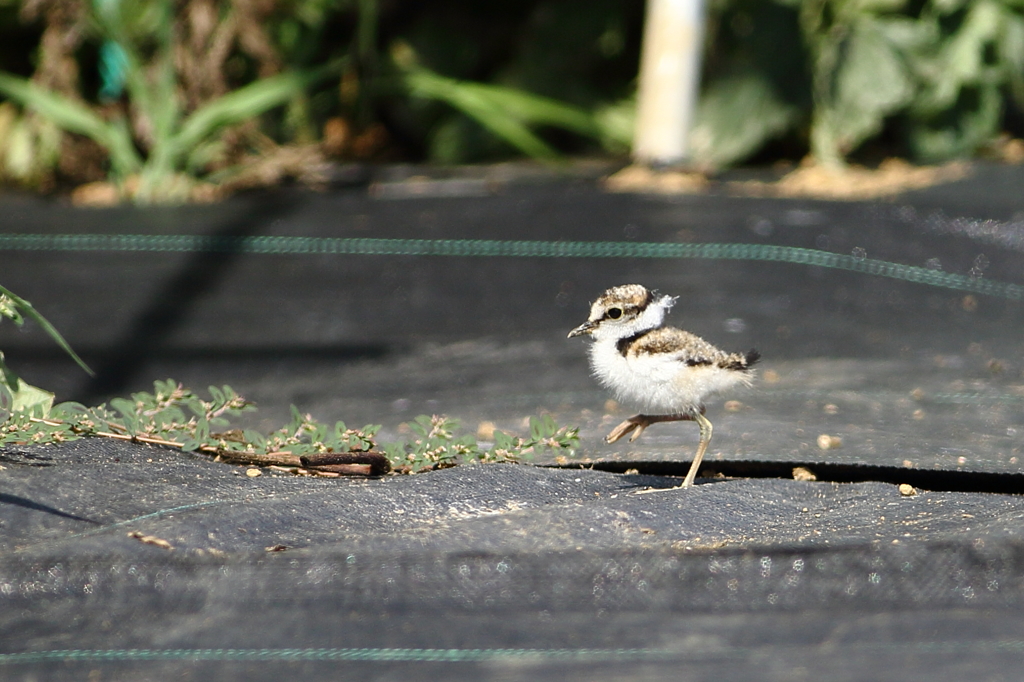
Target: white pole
x,y
669,80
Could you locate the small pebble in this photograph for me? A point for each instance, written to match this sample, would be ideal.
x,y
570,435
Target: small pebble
x,y
907,490
253,473
827,442
485,430
803,474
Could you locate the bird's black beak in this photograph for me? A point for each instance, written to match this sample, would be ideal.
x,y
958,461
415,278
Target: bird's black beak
x,y
585,328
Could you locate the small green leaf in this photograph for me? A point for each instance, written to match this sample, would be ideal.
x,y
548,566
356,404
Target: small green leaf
x,y
124,406
256,438
202,431
534,428
421,425
68,411
163,388
217,395
30,400
195,405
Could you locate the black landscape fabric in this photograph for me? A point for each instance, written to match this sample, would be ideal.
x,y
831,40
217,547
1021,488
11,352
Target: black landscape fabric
x,y
901,398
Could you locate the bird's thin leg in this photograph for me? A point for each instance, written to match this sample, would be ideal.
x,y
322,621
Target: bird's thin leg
x,y
638,422
705,440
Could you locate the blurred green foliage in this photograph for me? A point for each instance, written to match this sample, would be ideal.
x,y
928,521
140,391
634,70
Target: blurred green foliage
x,y
942,69
457,81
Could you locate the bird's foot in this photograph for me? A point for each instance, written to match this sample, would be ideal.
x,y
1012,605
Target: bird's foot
x,y
681,486
636,424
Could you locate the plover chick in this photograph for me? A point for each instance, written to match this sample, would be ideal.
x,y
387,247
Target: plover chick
x,y
665,371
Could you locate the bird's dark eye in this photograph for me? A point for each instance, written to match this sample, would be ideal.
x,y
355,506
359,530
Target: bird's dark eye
x,y
614,313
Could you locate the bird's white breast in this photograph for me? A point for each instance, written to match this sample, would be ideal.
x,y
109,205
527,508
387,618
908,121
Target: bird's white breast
x,y
657,382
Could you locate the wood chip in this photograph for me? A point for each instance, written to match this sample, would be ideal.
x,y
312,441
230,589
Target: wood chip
x,y
150,540
370,463
343,469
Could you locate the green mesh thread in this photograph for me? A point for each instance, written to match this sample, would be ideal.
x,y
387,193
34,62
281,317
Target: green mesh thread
x,y
1012,646
506,249
338,654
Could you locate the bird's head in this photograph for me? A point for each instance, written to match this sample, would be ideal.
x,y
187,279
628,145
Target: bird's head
x,y
623,311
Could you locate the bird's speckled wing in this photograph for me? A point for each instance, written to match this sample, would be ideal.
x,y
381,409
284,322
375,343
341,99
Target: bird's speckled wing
x,y
679,345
